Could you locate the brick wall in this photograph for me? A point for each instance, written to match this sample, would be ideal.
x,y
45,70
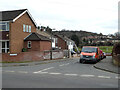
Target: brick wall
x,y
38,45
31,56
45,45
4,35
17,35
35,45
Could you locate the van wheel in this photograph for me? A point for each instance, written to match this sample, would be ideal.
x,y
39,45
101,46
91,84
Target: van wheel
x,y
80,61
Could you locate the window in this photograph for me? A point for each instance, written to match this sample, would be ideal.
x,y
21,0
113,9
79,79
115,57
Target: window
x,y
29,44
56,40
29,28
23,27
26,28
4,26
5,47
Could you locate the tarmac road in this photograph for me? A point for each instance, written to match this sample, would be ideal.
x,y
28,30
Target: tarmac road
x,y
61,74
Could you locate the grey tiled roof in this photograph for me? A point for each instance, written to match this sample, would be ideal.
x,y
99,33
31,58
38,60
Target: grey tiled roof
x,y
36,37
10,15
65,38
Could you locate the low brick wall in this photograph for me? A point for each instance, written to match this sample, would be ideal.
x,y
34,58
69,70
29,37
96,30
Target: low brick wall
x,y
31,56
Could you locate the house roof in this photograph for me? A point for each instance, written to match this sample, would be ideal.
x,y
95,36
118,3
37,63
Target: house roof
x,y
46,34
13,15
65,38
36,37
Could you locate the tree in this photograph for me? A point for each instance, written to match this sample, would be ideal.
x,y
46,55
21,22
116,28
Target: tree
x,y
48,29
75,39
101,34
38,27
117,34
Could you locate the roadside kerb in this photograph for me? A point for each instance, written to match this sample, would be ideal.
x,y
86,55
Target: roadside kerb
x,y
105,70
34,63
107,65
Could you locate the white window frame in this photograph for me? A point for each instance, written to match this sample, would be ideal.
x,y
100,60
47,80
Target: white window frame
x,y
6,24
5,46
29,42
29,28
24,27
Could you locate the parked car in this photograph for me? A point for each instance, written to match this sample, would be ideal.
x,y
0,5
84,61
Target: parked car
x,y
89,54
73,52
101,55
104,55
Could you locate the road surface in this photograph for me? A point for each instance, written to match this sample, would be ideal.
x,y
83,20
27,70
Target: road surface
x,y
61,74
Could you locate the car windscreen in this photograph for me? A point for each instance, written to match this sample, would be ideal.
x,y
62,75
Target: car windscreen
x,y
89,49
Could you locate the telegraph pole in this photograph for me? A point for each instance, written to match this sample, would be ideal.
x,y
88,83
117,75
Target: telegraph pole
x,y
51,47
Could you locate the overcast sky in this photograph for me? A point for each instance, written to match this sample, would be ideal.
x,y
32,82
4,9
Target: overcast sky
x,y
88,15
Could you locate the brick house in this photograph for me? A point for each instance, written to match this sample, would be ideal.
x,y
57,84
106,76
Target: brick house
x,y
37,42
64,42
16,26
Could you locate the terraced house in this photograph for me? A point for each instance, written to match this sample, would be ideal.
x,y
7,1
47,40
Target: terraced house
x,y
16,26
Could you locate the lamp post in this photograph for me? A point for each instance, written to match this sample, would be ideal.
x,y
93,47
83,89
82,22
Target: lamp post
x,y
51,44
51,47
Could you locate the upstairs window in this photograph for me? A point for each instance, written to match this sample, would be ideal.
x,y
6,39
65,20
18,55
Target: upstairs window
x,y
4,26
26,28
29,28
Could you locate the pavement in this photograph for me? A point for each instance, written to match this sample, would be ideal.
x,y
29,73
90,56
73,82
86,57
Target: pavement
x,y
32,63
107,65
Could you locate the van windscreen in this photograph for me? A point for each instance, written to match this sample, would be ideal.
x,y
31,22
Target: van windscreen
x,y
89,49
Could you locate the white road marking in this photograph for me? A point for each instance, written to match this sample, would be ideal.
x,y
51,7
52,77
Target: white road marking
x,y
71,74
9,71
62,65
104,77
87,75
40,72
67,64
22,72
117,77
44,70
55,73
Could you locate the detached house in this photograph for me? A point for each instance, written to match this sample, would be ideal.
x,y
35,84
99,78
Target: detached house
x,y
64,42
17,31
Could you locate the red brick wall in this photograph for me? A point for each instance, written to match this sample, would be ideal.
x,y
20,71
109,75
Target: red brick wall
x,y
31,56
35,45
3,35
45,45
38,45
17,35
24,56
